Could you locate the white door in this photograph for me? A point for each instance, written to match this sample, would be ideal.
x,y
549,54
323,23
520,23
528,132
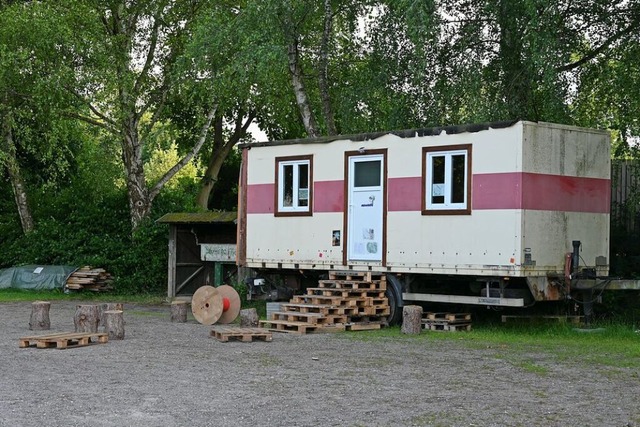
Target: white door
x,y
366,203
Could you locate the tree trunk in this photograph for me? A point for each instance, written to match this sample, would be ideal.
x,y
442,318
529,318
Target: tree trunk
x,y
411,319
300,91
17,183
323,78
139,201
220,152
179,311
106,307
86,318
39,320
114,324
516,74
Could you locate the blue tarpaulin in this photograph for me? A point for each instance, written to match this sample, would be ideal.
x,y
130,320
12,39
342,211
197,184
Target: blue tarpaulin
x,y
35,276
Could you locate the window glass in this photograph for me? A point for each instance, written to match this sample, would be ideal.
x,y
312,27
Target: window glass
x,y
458,178
367,174
437,179
303,184
287,181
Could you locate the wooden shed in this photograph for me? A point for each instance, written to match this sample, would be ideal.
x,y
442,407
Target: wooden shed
x,y
202,250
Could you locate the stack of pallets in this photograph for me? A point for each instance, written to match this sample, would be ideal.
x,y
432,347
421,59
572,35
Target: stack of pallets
x,y
346,301
446,321
90,279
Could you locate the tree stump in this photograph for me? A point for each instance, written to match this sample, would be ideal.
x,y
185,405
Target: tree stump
x,y
179,311
411,319
39,320
86,318
109,306
114,324
249,317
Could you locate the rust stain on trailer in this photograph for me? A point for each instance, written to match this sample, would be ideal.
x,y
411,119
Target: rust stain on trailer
x,y
544,289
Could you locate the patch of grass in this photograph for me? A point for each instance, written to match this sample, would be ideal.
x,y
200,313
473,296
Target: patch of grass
x,y
268,361
613,345
531,367
16,295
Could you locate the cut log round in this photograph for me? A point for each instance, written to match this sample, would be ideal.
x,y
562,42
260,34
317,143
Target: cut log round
x,y
39,320
411,319
114,324
230,304
179,311
207,305
249,317
86,318
109,306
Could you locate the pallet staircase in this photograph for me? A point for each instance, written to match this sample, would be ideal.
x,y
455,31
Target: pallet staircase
x,y
346,301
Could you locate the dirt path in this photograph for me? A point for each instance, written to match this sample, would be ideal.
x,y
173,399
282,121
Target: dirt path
x,y
168,374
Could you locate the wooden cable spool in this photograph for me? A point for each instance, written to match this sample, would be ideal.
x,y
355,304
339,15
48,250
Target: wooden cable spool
x,y
210,305
230,304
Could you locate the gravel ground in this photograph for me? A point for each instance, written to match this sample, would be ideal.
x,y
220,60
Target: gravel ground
x,y
170,374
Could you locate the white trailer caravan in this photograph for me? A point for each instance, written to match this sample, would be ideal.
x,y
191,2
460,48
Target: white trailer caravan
x,y
492,214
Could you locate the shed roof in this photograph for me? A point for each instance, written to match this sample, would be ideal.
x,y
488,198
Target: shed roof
x,y
199,218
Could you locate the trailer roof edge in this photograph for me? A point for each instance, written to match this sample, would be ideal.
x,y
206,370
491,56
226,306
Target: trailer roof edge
x,y
403,133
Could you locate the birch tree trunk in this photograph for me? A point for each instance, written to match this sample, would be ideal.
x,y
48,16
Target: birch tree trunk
x,y
323,66
300,91
17,183
139,200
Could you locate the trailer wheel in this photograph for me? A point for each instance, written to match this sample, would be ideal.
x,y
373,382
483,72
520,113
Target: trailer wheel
x,y
394,295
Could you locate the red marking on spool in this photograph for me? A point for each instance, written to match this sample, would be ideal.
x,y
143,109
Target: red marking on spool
x,y
225,304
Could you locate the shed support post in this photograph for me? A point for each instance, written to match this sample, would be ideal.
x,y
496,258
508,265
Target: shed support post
x,y
218,277
172,259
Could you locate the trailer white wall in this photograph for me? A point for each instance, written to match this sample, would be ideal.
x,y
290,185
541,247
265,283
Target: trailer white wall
x,y
535,187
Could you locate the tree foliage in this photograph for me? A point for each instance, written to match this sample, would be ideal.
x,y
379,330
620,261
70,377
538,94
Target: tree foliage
x,y
102,103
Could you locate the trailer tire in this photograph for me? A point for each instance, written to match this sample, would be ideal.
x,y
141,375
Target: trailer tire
x,y
394,296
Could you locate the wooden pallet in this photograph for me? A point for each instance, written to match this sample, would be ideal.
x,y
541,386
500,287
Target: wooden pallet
x,y
329,300
364,276
448,317
313,318
225,333
445,321
347,293
64,340
325,310
353,284
445,326
374,310
290,326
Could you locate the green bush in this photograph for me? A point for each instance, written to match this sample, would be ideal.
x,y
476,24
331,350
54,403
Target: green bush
x,y
76,227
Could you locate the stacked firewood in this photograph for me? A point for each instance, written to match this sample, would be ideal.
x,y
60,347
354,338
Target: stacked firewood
x,y
90,279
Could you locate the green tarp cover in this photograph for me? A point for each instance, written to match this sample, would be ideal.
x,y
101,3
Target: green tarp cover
x,y
35,276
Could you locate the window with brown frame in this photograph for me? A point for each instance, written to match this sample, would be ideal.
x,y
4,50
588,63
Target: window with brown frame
x,y
294,184
446,177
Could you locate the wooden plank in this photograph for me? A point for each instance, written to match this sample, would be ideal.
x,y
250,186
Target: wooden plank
x,y
368,326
